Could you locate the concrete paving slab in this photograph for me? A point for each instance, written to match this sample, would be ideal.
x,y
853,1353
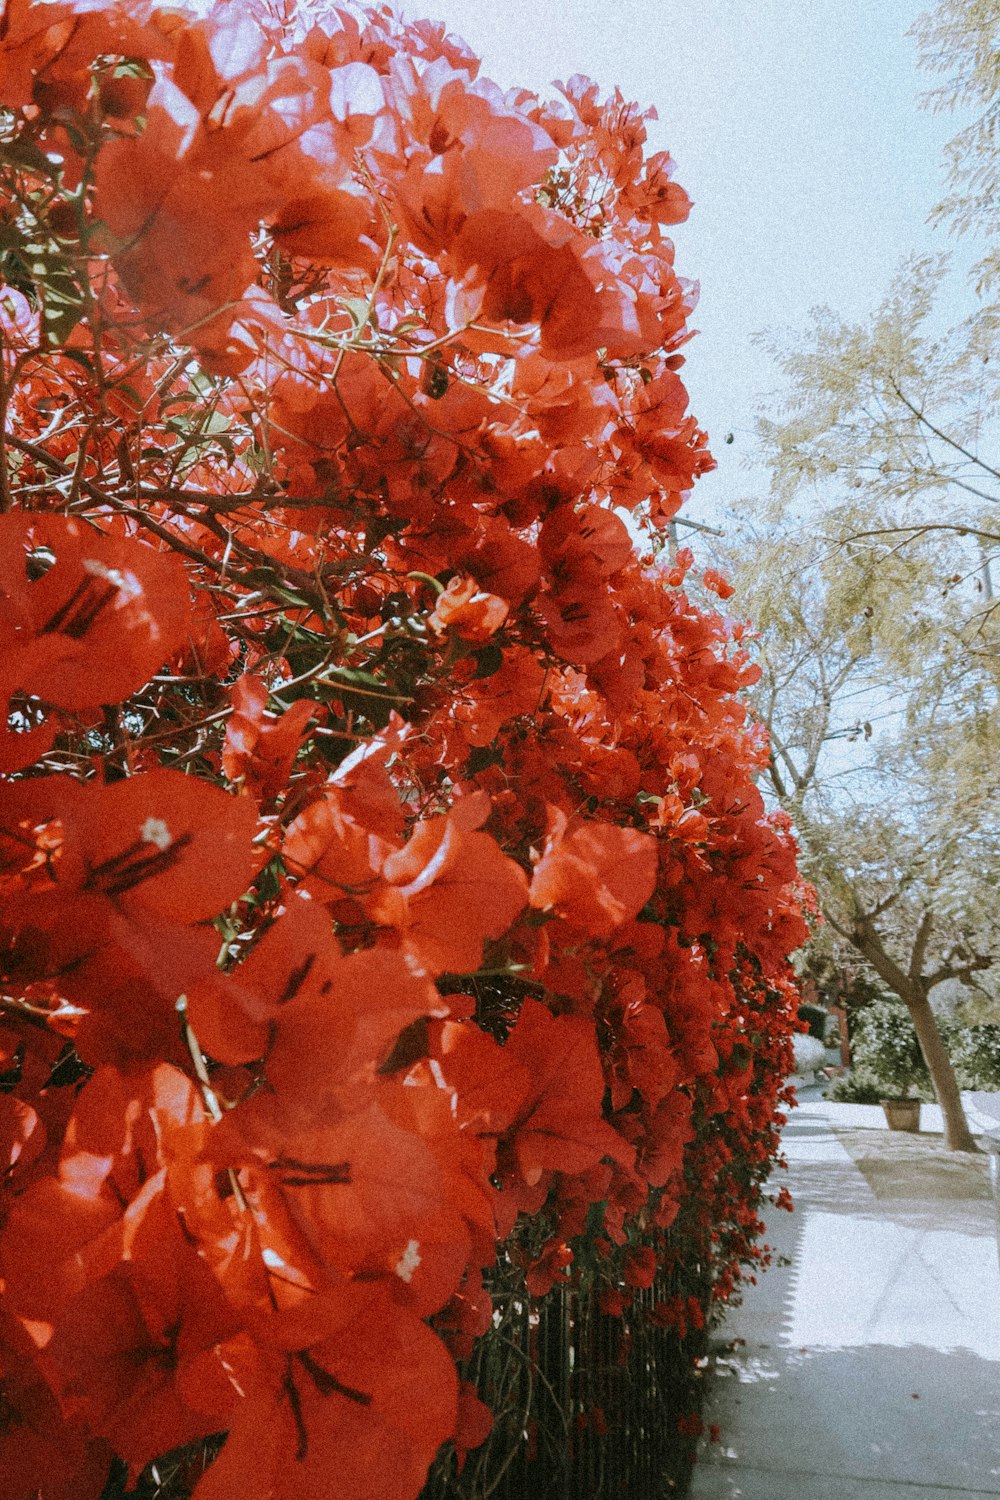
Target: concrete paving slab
x,y
768,1484
917,1166
867,1360
896,1415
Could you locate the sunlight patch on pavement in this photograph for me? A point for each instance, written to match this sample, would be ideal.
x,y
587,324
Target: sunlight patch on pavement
x,y
863,1280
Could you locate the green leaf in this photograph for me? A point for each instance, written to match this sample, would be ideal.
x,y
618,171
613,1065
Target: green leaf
x,y
27,156
358,309
357,677
489,660
62,305
535,918
595,1218
260,576
481,757
289,596
81,358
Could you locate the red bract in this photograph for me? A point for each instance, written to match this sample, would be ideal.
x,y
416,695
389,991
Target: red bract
x,y
474,1423
466,150
42,1453
105,613
472,614
559,1126
109,895
547,1267
485,704
321,1020
584,542
596,875
639,1267
386,898
260,747
582,627
450,889
718,584
521,268
357,1386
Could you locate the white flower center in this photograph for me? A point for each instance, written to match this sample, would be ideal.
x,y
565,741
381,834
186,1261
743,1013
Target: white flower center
x,y
126,583
408,1261
155,831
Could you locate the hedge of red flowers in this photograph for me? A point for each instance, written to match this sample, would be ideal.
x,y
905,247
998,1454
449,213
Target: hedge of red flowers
x,y
384,880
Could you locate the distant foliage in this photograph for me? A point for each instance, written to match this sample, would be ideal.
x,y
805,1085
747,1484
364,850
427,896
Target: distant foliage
x,y
809,1053
975,1052
857,1086
961,39
886,1047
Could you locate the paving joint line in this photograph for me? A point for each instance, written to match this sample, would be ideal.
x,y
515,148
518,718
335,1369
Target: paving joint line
x,y
723,1465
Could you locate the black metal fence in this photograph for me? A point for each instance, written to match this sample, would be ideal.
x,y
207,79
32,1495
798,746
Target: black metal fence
x,y
586,1406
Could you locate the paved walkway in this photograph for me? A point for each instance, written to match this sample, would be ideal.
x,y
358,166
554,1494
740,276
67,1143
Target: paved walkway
x,y
867,1367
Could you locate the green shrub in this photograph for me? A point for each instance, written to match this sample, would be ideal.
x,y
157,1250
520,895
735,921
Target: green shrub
x,y
975,1053
816,1018
859,1086
886,1046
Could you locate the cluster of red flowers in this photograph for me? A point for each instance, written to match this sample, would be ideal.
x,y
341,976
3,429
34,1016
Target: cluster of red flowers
x,y
383,874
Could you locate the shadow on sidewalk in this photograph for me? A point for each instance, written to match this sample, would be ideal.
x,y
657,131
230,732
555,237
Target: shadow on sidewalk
x,y
830,1423
877,1189
866,1361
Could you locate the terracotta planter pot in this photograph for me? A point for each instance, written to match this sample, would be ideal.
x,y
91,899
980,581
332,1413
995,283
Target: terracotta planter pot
x,y
902,1114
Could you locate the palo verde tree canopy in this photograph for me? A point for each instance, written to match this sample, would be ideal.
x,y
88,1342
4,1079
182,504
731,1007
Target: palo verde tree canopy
x,y
384,880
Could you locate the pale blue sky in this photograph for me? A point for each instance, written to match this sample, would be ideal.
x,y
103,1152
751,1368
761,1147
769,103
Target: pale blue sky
x,y
796,129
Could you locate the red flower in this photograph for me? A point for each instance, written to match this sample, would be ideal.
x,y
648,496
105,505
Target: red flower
x,y
547,1267
336,315
474,1424
322,1020
472,614
92,629
132,873
559,1127
364,1392
720,585
580,621
487,704
526,267
260,747
596,875
450,889
640,1266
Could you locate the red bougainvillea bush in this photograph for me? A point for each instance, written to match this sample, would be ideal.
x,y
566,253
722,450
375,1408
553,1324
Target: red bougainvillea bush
x,y
383,875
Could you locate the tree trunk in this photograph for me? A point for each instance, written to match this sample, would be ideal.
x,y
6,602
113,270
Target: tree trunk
x,y
914,993
957,1135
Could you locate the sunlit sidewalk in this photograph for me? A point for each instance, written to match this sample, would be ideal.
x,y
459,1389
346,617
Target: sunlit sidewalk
x,y
868,1368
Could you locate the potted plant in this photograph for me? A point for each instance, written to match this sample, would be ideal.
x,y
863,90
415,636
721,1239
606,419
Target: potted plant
x,y
887,1047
